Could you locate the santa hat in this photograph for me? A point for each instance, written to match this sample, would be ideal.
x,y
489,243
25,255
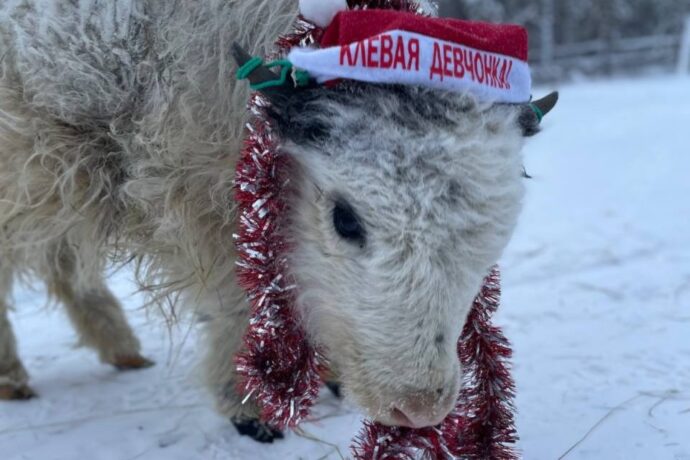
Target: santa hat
x,y
388,46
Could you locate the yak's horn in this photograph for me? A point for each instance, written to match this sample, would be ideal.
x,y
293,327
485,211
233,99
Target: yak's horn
x,y
533,112
544,105
260,76
256,76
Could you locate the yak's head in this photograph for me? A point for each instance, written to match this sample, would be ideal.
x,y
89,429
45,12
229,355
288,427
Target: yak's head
x,y
404,198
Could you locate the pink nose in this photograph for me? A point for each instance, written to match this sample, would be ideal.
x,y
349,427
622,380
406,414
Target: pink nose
x,y
425,410
412,420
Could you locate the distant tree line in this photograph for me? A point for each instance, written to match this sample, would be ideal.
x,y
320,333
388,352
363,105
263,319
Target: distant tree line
x,y
604,26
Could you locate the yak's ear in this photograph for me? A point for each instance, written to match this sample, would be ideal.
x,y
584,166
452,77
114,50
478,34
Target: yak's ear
x,y
531,114
296,118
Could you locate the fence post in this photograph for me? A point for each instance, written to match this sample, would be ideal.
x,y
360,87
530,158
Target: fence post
x,y
684,53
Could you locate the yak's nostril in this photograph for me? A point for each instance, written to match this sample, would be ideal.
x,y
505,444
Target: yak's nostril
x,y
413,420
399,418
422,408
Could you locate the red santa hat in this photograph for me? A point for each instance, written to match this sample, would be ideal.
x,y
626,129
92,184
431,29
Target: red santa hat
x,y
389,46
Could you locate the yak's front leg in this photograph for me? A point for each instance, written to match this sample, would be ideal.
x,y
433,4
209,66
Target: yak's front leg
x,y
98,317
225,330
14,380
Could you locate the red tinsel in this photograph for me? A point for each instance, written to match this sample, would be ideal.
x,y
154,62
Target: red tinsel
x,y
485,407
280,369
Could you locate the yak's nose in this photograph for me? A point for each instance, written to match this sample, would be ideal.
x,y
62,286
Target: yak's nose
x,y
423,409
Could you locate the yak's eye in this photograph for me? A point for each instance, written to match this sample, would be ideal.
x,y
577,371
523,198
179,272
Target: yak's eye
x,y
347,223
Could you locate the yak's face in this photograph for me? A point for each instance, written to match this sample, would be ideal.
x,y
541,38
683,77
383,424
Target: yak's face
x,y
403,201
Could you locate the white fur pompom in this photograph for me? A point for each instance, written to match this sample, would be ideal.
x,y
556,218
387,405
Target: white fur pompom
x,y
321,12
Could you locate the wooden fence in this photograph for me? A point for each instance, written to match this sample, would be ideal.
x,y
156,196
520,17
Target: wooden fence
x,y
599,57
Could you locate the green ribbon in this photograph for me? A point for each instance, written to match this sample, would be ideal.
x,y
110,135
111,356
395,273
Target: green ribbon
x,y
301,77
537,111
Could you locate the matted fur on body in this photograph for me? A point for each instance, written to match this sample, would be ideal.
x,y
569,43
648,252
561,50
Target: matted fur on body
x,y
120,125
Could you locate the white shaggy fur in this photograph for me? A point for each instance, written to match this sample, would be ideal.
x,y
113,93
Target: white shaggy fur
x,y
120,124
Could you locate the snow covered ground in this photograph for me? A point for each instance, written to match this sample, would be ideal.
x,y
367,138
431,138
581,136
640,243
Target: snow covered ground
x,y
596,301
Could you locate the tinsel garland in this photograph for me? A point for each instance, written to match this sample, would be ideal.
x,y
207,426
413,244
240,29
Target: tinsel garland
x,y
278,367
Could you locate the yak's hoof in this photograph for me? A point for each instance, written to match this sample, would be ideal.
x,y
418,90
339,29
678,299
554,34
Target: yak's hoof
x,y
334,387
258,431
16,393
133,362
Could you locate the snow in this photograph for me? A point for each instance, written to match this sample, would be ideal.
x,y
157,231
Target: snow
x,y
596,302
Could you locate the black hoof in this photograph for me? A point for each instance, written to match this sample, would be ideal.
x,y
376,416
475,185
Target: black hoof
x,y
335,389
258,431
18,393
